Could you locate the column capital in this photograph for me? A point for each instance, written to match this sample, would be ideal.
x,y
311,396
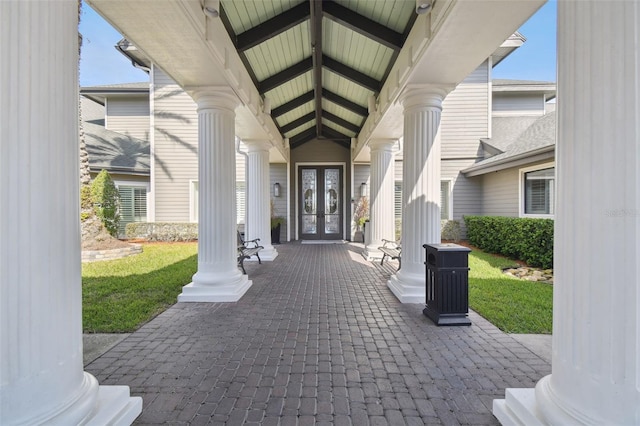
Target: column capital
x,y
214,97
424,95
381,144
256,145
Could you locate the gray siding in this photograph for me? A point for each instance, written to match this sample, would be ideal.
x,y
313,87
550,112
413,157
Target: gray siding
x,y
278,173
466,194
176,146
506,104
129,116
465,116
500,193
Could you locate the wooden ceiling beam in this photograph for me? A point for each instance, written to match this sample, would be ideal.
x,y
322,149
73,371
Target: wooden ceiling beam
x,y
341,122
298,122
345,103
272,27
351,74
293,104
285,75
363,25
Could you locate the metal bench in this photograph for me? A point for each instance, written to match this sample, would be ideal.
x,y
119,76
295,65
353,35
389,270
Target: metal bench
x,y
247,249
391,249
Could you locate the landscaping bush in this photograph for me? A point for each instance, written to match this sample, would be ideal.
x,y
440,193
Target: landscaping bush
x,y
162,231
451,230
526,239
106,201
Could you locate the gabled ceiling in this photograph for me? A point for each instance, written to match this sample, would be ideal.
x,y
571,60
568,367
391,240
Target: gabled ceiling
x,y
317,62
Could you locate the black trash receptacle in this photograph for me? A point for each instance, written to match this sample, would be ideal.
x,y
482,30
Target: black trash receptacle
x,y
447,287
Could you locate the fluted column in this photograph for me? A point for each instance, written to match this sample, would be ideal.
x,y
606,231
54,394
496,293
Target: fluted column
x,y
381,206
258,197
218,278
596,323
420,188
41,370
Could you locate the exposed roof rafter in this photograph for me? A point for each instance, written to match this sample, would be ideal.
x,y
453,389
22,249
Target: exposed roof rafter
x,y
272,27
285,75
298,122
316,48
345,103
303,137
351,74
363,25
293,104
341,122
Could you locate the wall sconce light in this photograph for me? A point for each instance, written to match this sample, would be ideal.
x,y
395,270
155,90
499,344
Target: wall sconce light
x,y
211,8
266,106
276,189
423,6
364,189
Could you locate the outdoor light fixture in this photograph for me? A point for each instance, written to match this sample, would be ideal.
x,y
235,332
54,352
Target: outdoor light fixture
x,y
364,189
211,8
276,189
423,6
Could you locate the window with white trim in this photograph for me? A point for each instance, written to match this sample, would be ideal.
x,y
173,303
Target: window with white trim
x,y
538,191
133,205
446,211
241,197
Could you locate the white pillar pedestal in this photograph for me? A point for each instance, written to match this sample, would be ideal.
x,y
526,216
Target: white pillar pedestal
x,y
218,278
596,327
258,198
381,207
421,188
41,371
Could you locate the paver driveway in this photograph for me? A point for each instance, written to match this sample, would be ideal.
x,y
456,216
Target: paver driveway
x,y
318,339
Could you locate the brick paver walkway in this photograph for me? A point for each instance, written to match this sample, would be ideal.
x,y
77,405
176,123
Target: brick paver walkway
x,y
318,339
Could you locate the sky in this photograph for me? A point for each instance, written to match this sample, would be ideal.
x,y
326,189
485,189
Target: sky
x,y
101,63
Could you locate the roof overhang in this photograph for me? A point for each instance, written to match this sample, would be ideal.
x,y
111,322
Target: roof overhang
x,y
540,154
195,50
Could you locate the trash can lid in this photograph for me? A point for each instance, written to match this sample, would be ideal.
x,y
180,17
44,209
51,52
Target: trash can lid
x,y
447,247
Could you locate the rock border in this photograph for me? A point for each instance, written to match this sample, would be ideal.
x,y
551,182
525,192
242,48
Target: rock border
x,y
118,253
530,274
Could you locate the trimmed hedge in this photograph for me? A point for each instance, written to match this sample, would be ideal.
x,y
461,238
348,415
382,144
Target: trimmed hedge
x,y
526,239
162,231
106,201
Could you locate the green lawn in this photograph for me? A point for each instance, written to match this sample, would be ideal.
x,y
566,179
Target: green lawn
x,y
511,304
118,296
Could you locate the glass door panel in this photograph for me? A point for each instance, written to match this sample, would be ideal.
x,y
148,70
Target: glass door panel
x,y
321,203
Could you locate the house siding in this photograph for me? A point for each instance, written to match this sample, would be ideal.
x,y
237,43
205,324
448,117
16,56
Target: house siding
x,y
500,193
129,116
518,104
176,144
465,116
278,173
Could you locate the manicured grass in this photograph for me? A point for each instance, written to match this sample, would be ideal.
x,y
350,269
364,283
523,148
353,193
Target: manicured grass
x,y
119,296
511,304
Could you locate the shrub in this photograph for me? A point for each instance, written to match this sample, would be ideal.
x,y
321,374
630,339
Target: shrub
x,y
162,231
106,201
451,230
526,239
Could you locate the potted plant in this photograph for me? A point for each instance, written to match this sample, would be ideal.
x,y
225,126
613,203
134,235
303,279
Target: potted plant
x,y
361,215
276,224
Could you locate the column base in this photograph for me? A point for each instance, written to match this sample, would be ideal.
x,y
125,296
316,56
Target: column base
x,y
539,406
220,291
408,288
266,254
115,406
372,253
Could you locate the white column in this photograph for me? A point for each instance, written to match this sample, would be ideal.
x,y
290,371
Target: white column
x,y
381,206
218,278
420,188
258,197
41,371
596,323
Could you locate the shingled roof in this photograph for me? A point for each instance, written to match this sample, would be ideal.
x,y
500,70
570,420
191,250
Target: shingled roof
x,y
112,151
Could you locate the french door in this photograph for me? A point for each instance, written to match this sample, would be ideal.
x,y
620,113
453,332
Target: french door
x,y
320,202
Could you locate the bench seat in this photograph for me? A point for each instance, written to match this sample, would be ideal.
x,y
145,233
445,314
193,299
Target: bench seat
x,y
391,249
246,250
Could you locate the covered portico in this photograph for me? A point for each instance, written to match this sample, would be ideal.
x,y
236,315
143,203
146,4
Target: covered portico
x,y
595,374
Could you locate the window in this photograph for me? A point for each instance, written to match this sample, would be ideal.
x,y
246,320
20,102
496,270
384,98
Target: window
x,y
446,212
240,201
538,191
133,205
